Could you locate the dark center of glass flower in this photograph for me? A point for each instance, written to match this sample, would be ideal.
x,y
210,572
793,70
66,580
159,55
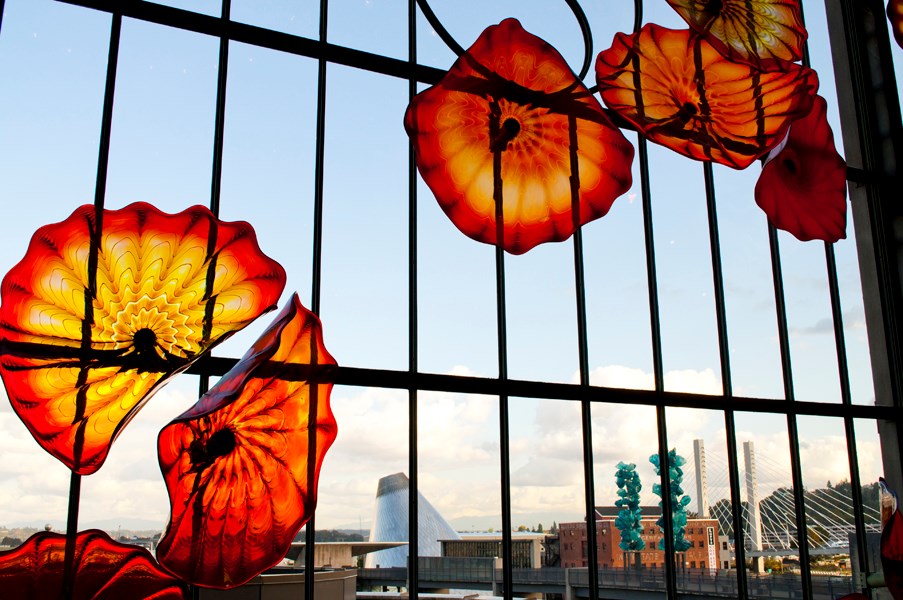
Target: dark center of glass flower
x,y
144,340
790,165
688,110
715,6
508,130
511,127
221,443
203,453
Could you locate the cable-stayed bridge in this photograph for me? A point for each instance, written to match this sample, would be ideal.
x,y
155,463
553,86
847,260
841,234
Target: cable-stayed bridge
x,y
769,515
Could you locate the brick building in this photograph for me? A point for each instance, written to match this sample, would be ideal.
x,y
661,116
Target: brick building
x,y
706,551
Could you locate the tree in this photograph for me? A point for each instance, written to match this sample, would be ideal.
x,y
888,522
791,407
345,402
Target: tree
x,y
539,529
11,542
679,501
554,529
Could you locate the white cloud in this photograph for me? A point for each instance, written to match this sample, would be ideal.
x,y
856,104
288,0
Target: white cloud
x,y
686,380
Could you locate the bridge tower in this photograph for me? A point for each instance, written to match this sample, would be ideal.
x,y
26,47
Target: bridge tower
x,y
754,520
702,484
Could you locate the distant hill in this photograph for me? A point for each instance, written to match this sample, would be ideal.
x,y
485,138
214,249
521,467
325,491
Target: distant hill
x,y
102,524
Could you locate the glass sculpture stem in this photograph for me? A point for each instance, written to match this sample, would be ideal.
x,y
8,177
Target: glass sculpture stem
x,y
75,487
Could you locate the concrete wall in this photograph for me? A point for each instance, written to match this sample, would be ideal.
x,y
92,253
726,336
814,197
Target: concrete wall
x,y
329,585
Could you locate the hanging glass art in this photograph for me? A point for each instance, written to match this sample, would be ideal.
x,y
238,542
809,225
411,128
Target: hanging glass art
x,y
764,33
101,570
802,187
102,311
895,14
892,543
241,482
515,149
683,94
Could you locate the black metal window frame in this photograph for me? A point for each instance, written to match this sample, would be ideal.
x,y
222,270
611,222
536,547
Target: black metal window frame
x,y
871,130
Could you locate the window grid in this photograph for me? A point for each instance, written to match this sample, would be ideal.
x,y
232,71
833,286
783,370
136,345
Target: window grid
x,y
414,381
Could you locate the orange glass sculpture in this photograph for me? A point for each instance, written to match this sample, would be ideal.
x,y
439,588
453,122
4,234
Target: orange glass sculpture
x,y
683,94
236,464
895,14
515,149
765,33
102,570
802,187
92,326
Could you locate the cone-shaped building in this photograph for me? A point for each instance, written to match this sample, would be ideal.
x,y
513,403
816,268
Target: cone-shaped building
x,y
390,524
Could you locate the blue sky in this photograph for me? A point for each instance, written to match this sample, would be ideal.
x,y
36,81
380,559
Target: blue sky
x,y
52,65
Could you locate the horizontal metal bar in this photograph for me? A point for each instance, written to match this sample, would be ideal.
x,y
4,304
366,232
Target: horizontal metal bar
x,y
263,37
435,382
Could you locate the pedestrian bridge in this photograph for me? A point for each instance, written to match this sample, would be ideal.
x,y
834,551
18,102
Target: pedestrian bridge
x,y
614,584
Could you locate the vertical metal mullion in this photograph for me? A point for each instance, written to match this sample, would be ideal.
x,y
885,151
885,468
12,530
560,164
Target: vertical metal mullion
x,y
106,124
727,382
319,160
501,320
846,397
413,503
592,556
792,429
667,508
100,191
216,175
2,6
317,259
657,365
504,423
220,118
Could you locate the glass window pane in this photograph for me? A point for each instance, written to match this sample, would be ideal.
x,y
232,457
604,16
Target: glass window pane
x,y
365,231
286,16
162,134
769,519
624,437
268,166
684,269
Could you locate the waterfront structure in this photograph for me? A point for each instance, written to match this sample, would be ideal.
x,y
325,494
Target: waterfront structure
x,y
390,524
526,548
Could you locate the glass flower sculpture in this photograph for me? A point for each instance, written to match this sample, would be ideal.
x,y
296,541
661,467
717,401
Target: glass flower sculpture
x,y
102,570
98,315
892,545
241,483
802,187
682,93
895,14
764,33
515,149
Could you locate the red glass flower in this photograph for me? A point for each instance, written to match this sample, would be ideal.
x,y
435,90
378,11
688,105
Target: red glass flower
x,y
892,553
766,33
895,14
802,187
236,464
92,326
681,93
515,149
102,570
